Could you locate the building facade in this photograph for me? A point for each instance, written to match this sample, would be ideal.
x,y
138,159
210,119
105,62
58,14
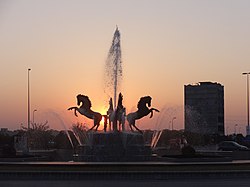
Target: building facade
x,y
204,108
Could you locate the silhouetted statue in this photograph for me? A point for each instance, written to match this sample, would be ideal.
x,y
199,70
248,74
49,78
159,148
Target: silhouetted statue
x,y
118,115
105,122
110,113
142,111
85,110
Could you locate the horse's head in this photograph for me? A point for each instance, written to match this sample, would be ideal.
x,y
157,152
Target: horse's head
x,y
79,99
84,99
119,105
148,100
143,101
111,108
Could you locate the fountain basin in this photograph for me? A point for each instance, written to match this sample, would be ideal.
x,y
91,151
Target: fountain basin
x,y
113,146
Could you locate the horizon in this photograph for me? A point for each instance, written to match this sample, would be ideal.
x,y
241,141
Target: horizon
x,y
165,45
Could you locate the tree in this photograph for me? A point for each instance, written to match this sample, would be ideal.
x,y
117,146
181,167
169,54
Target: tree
x,y
39,135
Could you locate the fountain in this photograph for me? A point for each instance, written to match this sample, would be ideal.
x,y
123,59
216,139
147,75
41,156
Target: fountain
x,y
113,68
116,144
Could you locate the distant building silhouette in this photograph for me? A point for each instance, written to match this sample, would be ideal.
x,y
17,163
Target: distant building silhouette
x,y
204,108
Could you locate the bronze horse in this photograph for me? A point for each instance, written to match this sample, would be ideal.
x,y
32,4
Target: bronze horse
x,y
118,114
85,110
142,111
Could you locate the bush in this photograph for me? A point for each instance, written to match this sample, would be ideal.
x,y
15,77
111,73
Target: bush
x,y
188,150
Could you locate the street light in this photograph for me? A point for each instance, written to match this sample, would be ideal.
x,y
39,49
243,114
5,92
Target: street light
x,y
173,122
34,115
29,98
247,74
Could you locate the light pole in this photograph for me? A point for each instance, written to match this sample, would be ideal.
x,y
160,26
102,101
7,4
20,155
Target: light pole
x,y
34,115
29,98
173,122
247,74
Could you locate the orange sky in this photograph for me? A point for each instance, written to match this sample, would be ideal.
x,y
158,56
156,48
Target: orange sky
x,y
165,45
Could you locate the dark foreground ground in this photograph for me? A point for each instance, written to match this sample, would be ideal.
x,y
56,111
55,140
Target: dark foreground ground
x,y
125,174
134,183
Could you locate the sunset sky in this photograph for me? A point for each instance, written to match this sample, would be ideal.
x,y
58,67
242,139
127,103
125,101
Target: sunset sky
x,y
166,44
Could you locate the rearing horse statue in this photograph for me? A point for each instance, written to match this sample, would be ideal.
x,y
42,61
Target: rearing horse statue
x,y
142,111
85,110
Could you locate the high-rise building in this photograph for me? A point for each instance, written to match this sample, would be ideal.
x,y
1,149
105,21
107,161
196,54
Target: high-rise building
x,y
204,108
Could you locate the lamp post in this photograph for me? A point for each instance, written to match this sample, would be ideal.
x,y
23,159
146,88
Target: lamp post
x,y
34,115
29,98
247,74
173,122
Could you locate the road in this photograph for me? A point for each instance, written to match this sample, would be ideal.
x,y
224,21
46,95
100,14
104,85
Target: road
x,y
223,174
131,183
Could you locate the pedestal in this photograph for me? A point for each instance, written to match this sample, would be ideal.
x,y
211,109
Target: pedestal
x,y
114,146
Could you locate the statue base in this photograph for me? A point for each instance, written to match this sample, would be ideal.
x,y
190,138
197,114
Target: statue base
x,y
113,147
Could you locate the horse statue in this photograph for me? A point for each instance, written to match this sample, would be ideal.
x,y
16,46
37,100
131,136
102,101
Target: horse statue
x,y
142,111
117,115
120,113
110,113
85,110
122,119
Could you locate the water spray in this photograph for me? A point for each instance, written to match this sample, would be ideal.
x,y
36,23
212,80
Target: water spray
x,y
58,117
113,73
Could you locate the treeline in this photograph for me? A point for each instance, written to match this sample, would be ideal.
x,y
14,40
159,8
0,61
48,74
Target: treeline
x,y
194,139
40,136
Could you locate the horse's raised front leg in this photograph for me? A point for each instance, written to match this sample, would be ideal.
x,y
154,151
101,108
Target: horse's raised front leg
x,y
74,108
155,109
151,112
